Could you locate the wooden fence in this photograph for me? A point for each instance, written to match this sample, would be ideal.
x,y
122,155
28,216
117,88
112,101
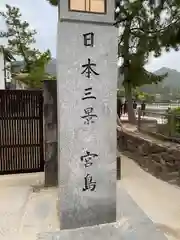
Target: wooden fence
x,y
21,131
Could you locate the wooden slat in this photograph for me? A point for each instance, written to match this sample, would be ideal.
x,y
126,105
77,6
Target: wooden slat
x,y
21,131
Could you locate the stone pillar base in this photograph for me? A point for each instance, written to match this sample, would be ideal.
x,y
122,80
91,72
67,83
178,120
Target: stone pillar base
x,y
133,224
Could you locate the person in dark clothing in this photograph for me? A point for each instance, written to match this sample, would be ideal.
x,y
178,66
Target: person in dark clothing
x,y
119,107
143,108
125,107
135,107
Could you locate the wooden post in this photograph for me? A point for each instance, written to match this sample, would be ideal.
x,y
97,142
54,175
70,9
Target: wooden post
x,y
118,167
139,119
172,125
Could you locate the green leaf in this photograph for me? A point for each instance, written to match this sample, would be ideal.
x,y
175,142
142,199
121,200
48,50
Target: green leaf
x,y
53,2
21,38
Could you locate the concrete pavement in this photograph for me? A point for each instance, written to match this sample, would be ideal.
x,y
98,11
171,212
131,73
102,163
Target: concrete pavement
x,y
158,199
12,207
40,214
27,209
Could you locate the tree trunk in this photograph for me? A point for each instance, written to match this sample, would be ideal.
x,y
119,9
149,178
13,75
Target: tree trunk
x,y
128,94
127,82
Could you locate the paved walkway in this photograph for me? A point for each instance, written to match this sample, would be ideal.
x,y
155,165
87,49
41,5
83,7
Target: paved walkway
x,y
26,209
159,200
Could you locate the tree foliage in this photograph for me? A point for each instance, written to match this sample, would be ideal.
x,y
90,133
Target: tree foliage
x,y
21,39
37,73
174,29
7,54
143,30
143,96
146,26
53,2
137,94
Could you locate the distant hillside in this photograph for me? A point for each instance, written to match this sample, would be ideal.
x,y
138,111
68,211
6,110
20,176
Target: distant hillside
x,y
173,78
170,83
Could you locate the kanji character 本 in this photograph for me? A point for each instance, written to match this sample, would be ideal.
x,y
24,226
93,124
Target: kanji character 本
x,y
88,115
88,94
88,158
88,39
88,69
89,184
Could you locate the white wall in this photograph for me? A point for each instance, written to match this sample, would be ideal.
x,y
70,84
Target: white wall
x,y
2,83
8,72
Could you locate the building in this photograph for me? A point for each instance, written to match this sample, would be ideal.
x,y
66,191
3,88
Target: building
x,y
5,68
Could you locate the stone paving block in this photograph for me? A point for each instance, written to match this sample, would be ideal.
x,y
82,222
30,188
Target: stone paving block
x,y
12,205
40,213
121,230
132,224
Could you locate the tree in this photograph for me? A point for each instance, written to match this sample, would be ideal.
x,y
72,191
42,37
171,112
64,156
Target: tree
x,y
120,93
21,39
174,29
20,36
7,54
53,2
37,73
142,32
140,96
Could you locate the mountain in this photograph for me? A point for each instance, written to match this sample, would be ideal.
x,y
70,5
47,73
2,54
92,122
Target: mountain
x,y
173,78
170,84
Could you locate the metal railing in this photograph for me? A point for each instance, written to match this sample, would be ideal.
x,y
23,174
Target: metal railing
x,y
165,124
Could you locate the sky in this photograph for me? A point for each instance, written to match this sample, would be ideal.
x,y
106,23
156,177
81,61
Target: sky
x,y
43,17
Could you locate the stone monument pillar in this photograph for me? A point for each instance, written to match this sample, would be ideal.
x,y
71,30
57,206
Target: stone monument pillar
x,y
86,87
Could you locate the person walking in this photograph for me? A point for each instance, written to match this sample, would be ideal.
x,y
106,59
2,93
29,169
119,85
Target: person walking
x,y
135,107
125,106
143,108
119,107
